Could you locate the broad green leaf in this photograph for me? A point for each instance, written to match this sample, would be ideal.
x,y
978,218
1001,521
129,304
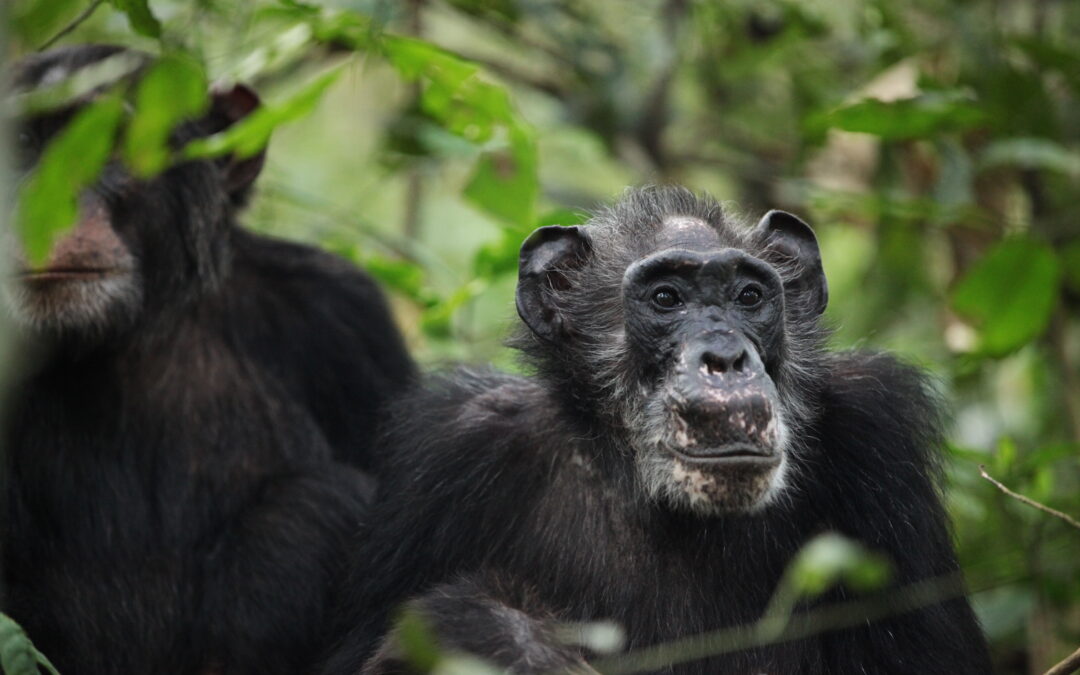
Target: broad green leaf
x,y
250,135
48,202
173,90
1032,153
417,643
917,117
436,321
1010,294
139,16
18,656
505,183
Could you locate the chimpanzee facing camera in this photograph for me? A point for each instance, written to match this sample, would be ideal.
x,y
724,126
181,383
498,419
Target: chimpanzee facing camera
x,y
173,500
685,434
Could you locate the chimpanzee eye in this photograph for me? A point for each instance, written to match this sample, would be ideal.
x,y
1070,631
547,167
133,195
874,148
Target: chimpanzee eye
x,y
666,297
750,296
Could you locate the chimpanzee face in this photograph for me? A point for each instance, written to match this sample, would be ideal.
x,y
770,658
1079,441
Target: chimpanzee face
x,y
138,246
678,326
704,320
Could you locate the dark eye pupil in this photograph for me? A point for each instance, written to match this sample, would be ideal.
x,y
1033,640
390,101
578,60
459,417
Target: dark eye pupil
x,y
666,298
749,296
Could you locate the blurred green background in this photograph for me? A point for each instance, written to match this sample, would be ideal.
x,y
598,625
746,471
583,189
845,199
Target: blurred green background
x,y
933,144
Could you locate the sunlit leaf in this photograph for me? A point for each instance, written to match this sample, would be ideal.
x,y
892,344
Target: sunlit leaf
x,y
78,85
139,16
1010,294
251,134
173,90
830,558
1032,153
917,117
18,656
48,202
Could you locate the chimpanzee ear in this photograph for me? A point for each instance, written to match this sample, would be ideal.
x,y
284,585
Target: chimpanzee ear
x,y
792,245
230,104
545,256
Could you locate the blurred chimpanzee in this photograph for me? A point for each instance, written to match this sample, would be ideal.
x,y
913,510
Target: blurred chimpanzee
x,y
173,503
686,433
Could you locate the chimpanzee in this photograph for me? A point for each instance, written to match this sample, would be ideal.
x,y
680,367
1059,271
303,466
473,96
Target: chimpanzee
x,y
685,433
173,502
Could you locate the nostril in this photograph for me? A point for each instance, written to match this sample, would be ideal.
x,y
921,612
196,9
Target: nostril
x,y
714,364
740,363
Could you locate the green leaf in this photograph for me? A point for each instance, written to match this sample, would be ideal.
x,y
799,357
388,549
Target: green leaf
x,y
173,90
917,117
18,656
1031,153
35,21
139,16
504,182
250,135
830,558
1010,294
401,275
48,202
417,642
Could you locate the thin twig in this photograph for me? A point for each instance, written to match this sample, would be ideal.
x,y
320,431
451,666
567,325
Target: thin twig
x,y
73,25
1070,665
1030,502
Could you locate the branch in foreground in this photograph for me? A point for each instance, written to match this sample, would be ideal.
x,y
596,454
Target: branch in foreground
x,y
1027,500
773,630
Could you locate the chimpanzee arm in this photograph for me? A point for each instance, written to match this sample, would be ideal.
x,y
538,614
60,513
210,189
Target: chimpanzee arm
x,y
268,575
455,458
469,616
884,429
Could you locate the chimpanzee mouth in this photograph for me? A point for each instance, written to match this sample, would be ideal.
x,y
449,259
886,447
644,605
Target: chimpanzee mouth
x,y
733,453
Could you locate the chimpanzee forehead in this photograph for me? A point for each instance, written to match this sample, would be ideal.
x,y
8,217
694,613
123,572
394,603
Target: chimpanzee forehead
x,y
687,232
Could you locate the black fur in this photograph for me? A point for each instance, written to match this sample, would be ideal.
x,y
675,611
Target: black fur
x,y
532,481
173,503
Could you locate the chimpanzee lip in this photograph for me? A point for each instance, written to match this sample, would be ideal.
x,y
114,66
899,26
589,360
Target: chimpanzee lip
x,y
733,453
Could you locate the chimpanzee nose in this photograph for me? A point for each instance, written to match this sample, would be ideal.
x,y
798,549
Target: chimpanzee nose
x,y
724,359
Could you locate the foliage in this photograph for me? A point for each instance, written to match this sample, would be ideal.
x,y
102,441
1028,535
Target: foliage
x,y
935,145
17,654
